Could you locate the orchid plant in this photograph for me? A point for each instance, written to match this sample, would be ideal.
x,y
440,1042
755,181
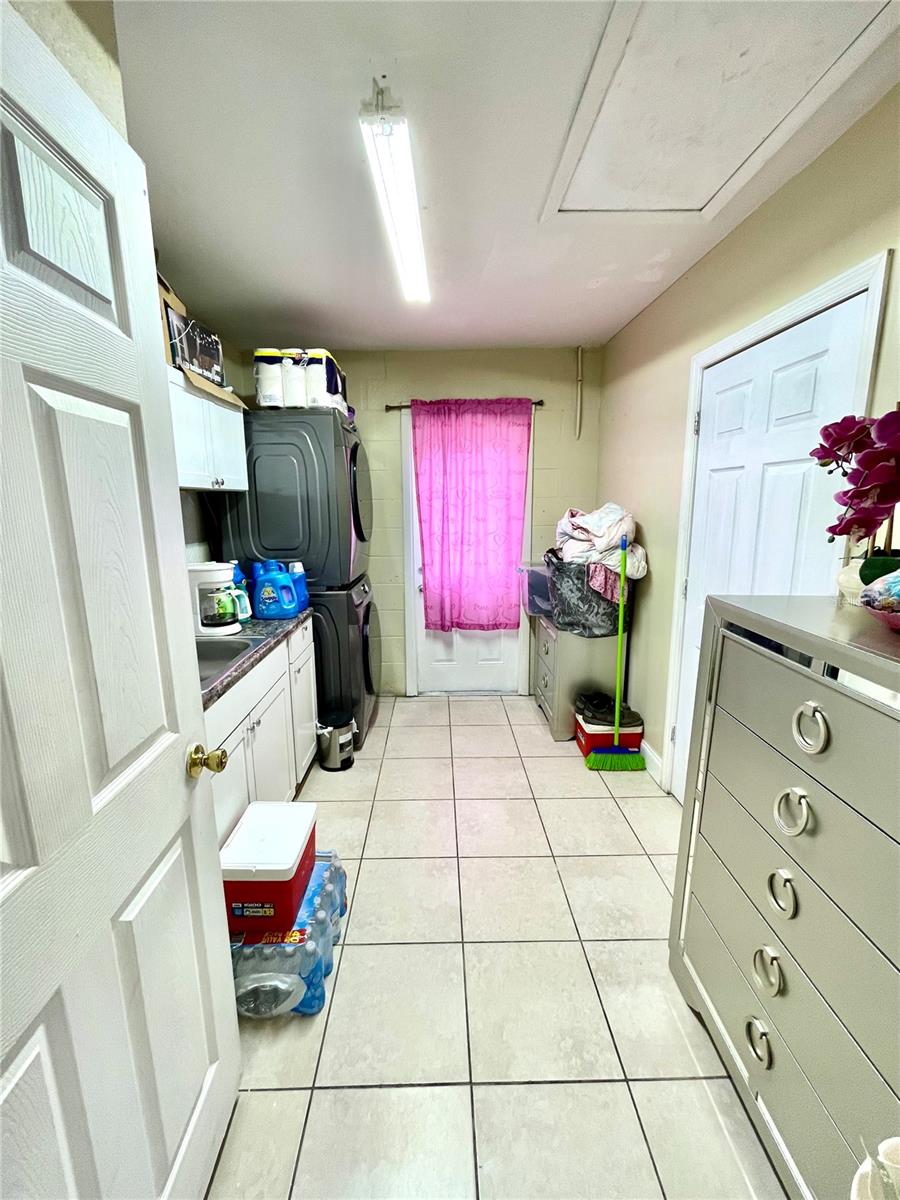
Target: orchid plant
x,y
866,452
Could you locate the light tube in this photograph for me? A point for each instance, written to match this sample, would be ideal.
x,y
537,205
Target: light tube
x,y
389,153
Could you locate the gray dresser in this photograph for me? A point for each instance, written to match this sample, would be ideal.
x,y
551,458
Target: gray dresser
x,y
564,664
785,932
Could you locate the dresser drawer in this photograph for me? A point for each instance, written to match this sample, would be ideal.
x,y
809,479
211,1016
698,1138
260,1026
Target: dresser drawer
x,y
846,744
857,1098
788,1101
545,645
858,981
545,683
853,861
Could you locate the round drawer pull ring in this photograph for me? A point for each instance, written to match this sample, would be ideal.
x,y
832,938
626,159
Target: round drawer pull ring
x,y
545,648
801,800
767,971
785,901
758,1040
816,744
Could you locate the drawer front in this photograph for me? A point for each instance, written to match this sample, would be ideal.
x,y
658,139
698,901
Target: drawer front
x,y
545,683
822,1156
545,636
848,744
853,861
300,640
857,1098
859,983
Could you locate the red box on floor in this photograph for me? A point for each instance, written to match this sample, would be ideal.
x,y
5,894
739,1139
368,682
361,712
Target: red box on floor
x,y
601,737
266,864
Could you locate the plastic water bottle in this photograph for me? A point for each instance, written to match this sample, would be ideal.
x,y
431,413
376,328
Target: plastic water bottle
x,y
321,932
266,983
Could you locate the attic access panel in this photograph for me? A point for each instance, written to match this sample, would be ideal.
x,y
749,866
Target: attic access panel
x,y
684,94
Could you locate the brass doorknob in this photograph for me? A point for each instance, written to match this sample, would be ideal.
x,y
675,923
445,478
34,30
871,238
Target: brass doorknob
x,y
199,757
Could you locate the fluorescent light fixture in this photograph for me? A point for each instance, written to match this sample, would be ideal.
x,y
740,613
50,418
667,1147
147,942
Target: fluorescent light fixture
x,y
385,133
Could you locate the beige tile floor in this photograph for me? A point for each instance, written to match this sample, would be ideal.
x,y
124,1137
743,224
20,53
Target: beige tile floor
x,y
501,1022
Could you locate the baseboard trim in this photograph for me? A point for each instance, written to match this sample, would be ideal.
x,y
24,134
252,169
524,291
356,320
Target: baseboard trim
x,y
653,761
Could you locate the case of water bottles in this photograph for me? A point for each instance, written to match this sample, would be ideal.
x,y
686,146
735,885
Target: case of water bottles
x,y
284,971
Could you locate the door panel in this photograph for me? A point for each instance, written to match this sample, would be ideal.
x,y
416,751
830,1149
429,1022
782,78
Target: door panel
x,y
118,1025
234,789
303,707
272,744
157,954
226,444
189,419
761,503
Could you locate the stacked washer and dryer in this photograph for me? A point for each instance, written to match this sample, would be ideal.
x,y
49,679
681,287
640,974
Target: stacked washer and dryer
x,y
309,498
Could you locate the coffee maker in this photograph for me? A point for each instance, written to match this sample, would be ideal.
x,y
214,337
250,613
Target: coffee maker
x,y
212,599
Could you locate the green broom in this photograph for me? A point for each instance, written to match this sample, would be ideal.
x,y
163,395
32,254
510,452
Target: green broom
x,y
618,758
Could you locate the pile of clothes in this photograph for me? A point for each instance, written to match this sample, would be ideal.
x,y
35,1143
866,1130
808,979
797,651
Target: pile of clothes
x,y
593,539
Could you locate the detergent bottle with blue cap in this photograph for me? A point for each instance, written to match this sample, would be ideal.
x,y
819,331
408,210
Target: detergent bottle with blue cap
x,y
274,596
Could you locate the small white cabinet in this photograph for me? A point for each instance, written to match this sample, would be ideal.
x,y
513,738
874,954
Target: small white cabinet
x,y
271,738
210,450
303,697
233,788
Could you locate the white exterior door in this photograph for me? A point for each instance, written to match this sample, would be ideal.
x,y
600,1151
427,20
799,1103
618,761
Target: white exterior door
x,y
120,1055
761,503
463,660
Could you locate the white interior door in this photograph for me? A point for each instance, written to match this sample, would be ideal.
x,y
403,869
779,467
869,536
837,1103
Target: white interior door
x,y
761,503
463,660
119,1046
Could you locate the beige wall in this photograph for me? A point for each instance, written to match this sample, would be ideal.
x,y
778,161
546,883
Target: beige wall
x,y
82,35
564,470
844,208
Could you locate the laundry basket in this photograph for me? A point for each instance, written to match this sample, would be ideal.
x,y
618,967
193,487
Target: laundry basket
x,y
577,607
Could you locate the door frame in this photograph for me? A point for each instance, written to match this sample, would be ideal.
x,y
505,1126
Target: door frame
x,y
870,277
410,532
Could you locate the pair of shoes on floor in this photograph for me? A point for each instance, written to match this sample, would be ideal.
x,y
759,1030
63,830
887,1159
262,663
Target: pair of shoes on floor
x,y
598,708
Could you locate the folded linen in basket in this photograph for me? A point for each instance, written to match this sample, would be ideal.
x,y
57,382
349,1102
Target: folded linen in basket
x,y
594,538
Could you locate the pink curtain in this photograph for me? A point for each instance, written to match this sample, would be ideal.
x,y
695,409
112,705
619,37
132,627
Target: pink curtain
x,y
471,462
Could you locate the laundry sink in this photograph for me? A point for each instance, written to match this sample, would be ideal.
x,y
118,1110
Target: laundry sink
x,y
216,654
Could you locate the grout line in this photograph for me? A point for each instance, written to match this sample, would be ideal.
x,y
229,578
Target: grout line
x,y
606,1019
448,1083
462,952
334,981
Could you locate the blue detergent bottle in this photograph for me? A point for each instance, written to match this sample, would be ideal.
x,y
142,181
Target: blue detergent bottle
x,y
274,596
298,578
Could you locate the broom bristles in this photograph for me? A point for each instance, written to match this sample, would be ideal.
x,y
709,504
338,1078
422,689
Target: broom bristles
x,y
617,758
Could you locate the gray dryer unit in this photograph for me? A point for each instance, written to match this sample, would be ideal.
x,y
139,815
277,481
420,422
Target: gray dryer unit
x,y
348,654
309,496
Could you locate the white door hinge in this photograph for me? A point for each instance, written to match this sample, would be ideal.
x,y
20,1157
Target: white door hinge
x,y
696,422
672,734
684,589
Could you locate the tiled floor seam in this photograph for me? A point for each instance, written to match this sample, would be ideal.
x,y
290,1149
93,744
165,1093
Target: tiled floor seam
x,y
462,951
334,981
609,1027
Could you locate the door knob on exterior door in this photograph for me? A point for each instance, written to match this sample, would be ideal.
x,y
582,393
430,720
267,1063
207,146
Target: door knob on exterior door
x,y
199,757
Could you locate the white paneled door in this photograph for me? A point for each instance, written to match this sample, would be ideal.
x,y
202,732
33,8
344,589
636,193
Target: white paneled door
x,y
761,503
119,1044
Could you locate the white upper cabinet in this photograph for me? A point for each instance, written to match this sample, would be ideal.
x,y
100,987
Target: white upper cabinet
x,y
209,439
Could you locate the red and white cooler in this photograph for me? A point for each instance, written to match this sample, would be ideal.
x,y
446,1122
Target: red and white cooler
x,y
266,865
600,737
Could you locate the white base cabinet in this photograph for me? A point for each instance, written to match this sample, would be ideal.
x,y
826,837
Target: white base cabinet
x,y
210,450
254,722
303,697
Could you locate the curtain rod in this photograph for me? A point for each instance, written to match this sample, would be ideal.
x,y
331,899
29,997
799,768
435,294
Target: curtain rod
x,y
397,407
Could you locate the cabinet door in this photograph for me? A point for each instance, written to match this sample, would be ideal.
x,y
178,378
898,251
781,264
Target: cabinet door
x,y
303,704
189,425
227,452
233,788
272,742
